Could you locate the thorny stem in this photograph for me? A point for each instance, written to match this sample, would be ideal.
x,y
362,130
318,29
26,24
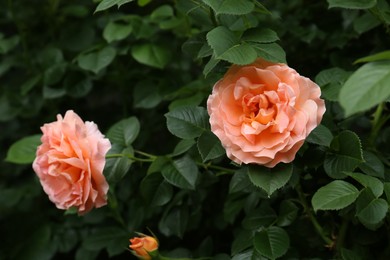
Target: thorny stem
x,y
329,242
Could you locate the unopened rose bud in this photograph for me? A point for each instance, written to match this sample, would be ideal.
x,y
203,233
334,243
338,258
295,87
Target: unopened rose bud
x,y
143,246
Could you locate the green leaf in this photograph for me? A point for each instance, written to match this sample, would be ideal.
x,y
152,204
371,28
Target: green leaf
x,y
24,150
260,35
155,190
372,183
105,4
240,181
347,155
288,212
242,241
372,165
162,12
183,146
54,74
116,31
209,146
8,44
240,54
151,54
272,242
187,122
182,173
387,190
352,4
124,132
174,221
270,179
330,81
97,60
158,164
364,23
210,65
334,196
367,87
226,46
384,55
111,238
260,217
116,168
347,254
271,52
146,95
231,7
321,135
371,211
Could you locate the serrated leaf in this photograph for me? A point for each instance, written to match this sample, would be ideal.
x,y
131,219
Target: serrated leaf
x,y
270,179
371,211
97,60
174,221
210,65
260,217
242,241
105,4
288,212
24,150
182,173
352,4
366,87
151,54
155,190
260,35
372,165
187,122
231,7
272,242
124,132
240,54
183,146
321,135
240,181
116,168
271,52
372,183
209,146
226,46
347,155
334,196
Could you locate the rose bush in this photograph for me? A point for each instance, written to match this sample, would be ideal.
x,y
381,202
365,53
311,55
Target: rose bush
x,y
263,112
70,161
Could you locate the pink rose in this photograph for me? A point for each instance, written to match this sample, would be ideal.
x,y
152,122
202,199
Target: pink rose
x,y
263,112
70,163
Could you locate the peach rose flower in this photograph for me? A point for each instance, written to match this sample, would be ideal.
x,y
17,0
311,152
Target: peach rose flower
x,y
263,112
142,246
70,162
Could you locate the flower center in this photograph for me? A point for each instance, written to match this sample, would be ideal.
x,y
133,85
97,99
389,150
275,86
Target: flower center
x,y
257,108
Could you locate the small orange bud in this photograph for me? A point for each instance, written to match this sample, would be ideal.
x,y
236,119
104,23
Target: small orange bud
x,y
141,246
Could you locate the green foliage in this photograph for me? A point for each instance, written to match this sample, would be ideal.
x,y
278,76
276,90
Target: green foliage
x,y
352,4
272,242
270,179
142,71
366,87
23,151
334,196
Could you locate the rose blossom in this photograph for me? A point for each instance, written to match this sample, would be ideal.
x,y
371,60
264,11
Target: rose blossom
x,y
263,112
142,246
70,161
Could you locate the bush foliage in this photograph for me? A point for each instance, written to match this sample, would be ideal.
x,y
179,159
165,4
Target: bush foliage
x,y
142,71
